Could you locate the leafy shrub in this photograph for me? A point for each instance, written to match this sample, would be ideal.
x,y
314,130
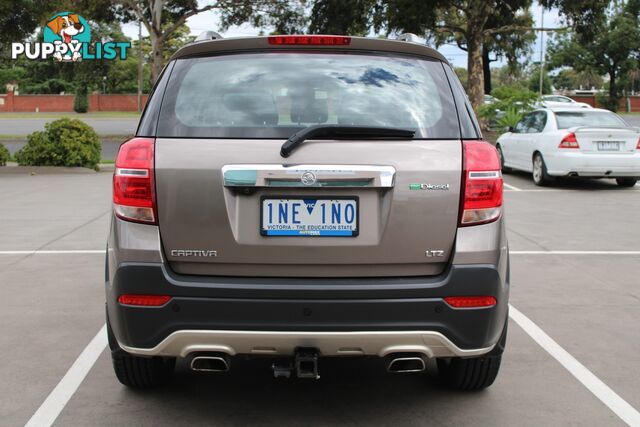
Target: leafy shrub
x,y
64,142
518,101
4,155
510,118
81,102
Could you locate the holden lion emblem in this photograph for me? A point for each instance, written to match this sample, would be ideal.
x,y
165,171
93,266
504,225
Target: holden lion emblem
x,y
308,178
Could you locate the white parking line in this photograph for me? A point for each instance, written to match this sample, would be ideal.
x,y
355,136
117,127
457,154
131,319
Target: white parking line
x,y
574,252
511,187
617,404
57,252
62,393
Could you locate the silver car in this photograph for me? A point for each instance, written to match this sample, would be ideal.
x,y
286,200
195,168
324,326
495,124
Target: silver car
x,y
303,197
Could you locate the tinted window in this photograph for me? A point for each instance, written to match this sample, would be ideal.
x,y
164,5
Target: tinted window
x,y
537,122
272,95
568,119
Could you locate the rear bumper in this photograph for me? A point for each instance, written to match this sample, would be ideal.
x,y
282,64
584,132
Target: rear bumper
x,y
368,316
594,164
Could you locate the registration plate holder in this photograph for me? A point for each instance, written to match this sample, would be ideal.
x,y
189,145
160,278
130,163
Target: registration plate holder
x,y
306,216
608,145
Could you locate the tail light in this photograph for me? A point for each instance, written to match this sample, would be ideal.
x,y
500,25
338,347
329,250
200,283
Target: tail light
x,y
569,141
144,300
134,193
482,184
471,302
310,40
638,146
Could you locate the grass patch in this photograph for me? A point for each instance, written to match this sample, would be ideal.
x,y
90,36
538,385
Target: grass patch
x,y
12,137
94,115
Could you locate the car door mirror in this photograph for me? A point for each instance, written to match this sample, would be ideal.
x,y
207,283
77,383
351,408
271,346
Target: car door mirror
x,y
510,129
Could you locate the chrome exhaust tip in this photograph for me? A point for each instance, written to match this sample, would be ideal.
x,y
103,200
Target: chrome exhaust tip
x,y
399,364
218,362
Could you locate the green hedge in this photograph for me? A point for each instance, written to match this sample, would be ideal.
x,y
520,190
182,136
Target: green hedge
x,y
64,142
4,155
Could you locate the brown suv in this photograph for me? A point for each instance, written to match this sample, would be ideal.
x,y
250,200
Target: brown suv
x,y
300,197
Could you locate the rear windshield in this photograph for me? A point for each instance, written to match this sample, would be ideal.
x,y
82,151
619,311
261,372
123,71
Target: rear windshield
x,y
275,94
571,119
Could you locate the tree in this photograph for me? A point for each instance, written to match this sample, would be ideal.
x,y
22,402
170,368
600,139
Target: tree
x,y
162,18
534,81
468,22
342,17
19,19
612,51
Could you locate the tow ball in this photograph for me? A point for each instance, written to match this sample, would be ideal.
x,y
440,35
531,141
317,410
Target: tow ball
x,y
305,365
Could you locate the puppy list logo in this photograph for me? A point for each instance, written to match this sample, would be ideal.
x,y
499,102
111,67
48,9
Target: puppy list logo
x,y
67,38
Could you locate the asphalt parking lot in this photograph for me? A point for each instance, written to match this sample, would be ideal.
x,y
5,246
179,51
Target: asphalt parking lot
x,y
573,352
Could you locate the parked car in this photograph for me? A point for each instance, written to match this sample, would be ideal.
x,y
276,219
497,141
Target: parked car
x,y
559,101
302,197
592,143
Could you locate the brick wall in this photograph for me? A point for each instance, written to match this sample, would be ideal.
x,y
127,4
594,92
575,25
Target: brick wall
x,y
622,106
64,103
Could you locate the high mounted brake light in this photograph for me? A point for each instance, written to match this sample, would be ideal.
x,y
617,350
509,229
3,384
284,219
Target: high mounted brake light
x,y
134,191
569,141
481,184
314,40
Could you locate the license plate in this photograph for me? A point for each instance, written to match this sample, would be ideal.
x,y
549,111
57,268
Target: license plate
x,y
309,217
608,145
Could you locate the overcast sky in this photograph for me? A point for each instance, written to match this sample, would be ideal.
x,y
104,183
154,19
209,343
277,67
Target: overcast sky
x,y
209,21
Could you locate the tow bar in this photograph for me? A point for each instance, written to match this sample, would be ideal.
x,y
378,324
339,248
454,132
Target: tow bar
x,y
305,363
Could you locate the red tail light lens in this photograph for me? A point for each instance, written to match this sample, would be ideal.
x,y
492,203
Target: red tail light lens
x,y
638,146
569,141
144,300
134,190
310,40
482,184
471,302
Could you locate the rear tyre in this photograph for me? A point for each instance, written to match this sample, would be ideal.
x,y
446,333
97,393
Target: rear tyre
x,y
504,168
626,182
139,372
142,372
473,373
540,175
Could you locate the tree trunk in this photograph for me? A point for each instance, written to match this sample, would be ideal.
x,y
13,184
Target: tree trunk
x,y
613,91
475,83
477,13
486,70
157,46
157,38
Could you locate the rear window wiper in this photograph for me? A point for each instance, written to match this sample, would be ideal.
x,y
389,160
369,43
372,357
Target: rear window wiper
x,y
342,132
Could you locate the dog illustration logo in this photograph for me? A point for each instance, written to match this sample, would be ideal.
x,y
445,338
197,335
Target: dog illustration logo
x,y
71,30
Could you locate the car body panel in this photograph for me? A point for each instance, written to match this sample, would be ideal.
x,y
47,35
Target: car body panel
x,y
380,291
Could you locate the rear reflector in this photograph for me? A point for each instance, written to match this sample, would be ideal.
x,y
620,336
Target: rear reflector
x,y
314,40
144,300
569,141
482,184
133,182
471,302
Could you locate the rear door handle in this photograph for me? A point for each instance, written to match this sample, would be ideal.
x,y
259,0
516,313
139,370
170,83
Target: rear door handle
x,y
287,176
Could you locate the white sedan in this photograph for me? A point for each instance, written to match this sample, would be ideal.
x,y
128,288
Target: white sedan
x,y
559,101
592,143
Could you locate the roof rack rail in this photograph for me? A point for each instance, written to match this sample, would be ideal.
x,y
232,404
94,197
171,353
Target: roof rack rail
x,y
206,36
